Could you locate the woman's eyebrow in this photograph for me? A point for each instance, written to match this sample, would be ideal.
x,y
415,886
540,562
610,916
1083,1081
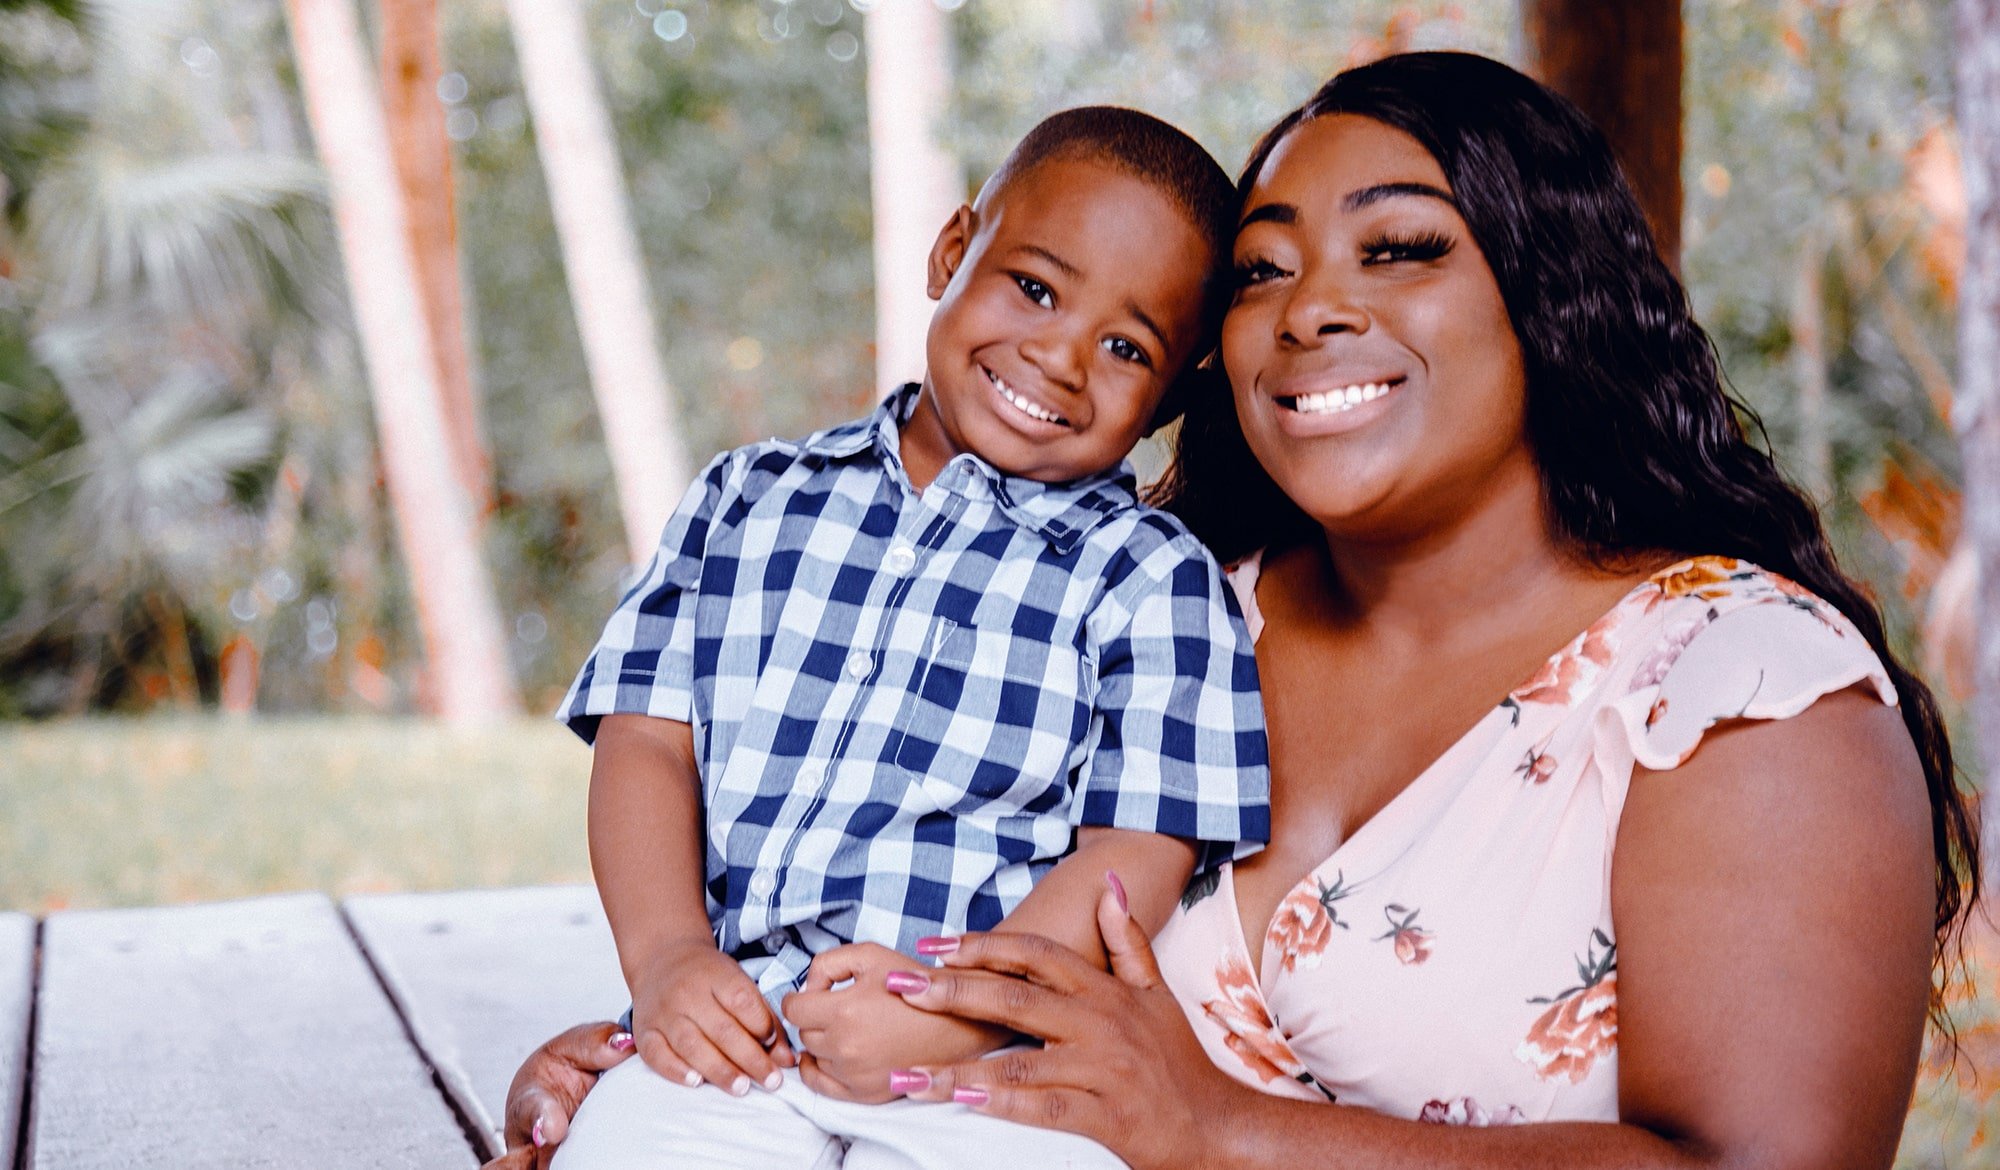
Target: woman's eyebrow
x,y
1356,200
1278,213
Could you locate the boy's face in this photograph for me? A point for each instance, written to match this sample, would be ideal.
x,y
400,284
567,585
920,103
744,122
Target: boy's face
x,y
1067,303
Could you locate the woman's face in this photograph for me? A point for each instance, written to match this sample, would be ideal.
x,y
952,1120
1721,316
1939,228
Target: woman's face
x,y
1375,370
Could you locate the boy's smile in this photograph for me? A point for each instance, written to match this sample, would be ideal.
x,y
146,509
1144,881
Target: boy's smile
x,y
1068,300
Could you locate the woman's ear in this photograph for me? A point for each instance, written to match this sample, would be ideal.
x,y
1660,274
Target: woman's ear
x,y
949,250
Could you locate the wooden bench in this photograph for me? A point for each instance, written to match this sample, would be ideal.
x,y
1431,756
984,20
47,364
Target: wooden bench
x,y
287,1031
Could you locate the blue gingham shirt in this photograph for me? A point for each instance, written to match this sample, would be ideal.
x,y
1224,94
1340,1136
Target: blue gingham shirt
x,y
905,703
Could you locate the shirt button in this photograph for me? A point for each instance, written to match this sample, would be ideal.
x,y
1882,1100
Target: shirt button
x,y
761,885
859,664
901,560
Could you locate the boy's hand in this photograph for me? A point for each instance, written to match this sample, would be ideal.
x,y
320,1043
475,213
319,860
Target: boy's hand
x,y
697,1017
853,1037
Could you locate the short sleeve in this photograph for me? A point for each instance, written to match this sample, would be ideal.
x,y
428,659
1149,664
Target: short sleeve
x,y
1769,659
643,663
1177,743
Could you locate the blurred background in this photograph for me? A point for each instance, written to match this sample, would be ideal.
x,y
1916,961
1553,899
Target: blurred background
x,y
288,587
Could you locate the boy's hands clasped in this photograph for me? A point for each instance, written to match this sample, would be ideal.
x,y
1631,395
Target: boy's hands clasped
x,y
854,1036
697,1017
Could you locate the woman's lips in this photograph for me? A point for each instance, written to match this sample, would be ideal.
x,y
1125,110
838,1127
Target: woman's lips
x,y
1319,406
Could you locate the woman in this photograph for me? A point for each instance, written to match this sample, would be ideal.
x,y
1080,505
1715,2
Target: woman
x,y
1591,800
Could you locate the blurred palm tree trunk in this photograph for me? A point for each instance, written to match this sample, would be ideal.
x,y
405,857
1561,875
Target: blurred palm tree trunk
x,y
1621,63
456,607
607,276
411,67
1977,411
914,183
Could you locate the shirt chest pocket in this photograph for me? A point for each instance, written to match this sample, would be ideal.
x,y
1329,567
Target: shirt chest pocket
x,y
995,721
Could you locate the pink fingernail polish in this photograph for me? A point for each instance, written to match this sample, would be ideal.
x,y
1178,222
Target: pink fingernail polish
x,y
535,1134
1117,890
621,1040
937,945
908,1080
969,1096
905,982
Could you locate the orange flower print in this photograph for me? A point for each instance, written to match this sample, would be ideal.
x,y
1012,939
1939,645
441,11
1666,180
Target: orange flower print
x,y
1537,766
1303,924
1702,577
1581,1023
1799,597
1468,1112
1413,942
1578,663
1252,1034
1653,668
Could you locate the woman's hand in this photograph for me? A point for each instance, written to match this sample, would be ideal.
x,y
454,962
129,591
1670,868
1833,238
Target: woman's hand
x,y
550,1085
1120,1064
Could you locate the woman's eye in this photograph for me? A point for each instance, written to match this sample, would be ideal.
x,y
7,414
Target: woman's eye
x,y
1124,350
1398,250
1036,291
1249,272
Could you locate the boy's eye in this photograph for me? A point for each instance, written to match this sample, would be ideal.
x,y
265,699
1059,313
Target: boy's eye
x,y
1401,249
1036,291
1125,351
1255,270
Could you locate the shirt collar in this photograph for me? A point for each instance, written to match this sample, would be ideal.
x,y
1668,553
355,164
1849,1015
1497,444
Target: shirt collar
x,y
1061,513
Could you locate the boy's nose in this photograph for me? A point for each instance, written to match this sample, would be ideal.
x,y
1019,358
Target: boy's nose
x,y
1059,357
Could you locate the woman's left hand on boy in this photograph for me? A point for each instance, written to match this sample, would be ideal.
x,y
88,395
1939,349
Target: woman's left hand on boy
x,y
855,1036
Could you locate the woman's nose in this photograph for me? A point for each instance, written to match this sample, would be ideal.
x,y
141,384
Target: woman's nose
x,y
1321,306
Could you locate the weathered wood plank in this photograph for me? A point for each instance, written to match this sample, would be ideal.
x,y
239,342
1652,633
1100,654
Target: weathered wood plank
x,y
486,975
17,985
241,1034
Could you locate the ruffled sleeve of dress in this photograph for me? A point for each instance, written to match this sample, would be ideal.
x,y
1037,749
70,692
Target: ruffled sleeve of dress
x,y
1725,640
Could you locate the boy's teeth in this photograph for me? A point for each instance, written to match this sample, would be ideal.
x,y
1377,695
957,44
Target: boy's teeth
x,y
1335,401
1022,404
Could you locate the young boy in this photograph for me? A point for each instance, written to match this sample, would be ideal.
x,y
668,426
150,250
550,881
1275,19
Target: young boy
x,y
932,671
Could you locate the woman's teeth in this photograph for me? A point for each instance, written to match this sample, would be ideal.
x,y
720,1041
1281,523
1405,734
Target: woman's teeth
x,y
1023,405
1335,401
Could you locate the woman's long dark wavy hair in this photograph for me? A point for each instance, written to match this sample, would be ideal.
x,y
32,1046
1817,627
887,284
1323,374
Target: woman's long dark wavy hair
x,y
1641,448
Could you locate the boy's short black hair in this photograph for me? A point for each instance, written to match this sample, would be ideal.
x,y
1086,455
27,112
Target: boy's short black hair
x,y
1160,155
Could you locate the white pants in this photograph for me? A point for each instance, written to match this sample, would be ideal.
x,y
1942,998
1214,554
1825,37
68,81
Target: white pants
x,y
636,1119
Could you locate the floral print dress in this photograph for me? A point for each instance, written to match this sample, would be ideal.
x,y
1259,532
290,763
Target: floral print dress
x,y
1455,959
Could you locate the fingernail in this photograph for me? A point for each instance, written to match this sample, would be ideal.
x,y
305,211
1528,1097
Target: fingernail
x,y
621,1040
905,982
739,1086
969,1096
690,1078
937,945
774,1080
908,1080
535,1134
1117,890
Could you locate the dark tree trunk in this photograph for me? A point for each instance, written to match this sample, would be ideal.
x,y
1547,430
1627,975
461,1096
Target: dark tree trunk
x,y
1978,401
1620,60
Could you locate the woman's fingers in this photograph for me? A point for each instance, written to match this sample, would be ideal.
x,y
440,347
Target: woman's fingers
x,y
1025,1086
554,1078
1126,943
999,999
595,1047
1030,956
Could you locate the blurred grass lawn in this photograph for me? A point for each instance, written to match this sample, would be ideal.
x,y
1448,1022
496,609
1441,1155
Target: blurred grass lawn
x,y
103,812
131,813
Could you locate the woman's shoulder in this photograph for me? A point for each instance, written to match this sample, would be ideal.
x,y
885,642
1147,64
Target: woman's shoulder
x,y
1714,638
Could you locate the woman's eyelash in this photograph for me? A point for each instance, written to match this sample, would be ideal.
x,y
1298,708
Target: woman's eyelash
x,y
1254,270
1386,249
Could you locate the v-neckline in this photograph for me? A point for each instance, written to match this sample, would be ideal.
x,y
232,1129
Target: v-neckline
x,y
1395,810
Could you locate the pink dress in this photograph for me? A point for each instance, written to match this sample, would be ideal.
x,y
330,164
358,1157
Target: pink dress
x,y
1455,959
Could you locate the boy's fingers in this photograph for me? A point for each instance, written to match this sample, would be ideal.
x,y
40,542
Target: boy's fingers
x,y
743,1050
1125,941
746,1007
660,1056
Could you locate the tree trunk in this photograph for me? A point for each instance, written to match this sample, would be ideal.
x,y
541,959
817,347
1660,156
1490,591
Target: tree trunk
x,y
456,608
1978,406
1621,62
914,183
607,277
411,67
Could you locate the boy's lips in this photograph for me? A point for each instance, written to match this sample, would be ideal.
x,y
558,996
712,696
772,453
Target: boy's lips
x,y
1022,403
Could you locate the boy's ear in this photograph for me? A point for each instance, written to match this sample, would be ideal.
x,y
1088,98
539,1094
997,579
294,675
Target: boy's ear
x,y
949,250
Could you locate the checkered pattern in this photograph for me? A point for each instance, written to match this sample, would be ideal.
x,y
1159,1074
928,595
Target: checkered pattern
x,y
905,704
